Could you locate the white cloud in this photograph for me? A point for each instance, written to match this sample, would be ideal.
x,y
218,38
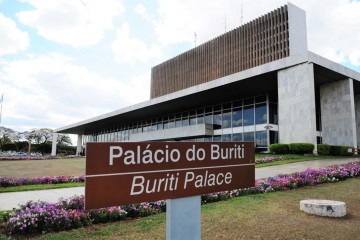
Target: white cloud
x,y
178,19
333,25
12,39
62,92
334,32
129,49
78,23
141,10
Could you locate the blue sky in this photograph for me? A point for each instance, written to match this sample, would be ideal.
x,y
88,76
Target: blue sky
x,y
63,61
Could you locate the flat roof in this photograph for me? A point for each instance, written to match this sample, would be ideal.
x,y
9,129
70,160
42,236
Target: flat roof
x,y
246,83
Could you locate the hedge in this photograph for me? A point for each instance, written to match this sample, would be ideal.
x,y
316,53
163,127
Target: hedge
x,y
323,149
301,148
279,148
340,150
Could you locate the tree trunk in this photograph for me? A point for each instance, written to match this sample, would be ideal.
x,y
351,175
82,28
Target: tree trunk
x,y
29,149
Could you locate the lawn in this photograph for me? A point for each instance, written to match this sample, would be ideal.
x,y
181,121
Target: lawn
x,y
40,168
263,216
76,167
40,187
292,158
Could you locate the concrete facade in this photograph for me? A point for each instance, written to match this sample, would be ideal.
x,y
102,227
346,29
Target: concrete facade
x,y
186,131
297,30
338,113
296,97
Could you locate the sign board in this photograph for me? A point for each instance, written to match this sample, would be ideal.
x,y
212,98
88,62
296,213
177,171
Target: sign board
x,y
133,172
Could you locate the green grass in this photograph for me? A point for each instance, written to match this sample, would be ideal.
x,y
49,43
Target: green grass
x,y
40,187
41,168
292,158
263,216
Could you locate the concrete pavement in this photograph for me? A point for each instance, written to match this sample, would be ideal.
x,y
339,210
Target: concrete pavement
x,y
14,199
299,166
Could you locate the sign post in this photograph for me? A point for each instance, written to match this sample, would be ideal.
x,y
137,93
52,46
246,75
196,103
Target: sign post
x,y
183,218
124,173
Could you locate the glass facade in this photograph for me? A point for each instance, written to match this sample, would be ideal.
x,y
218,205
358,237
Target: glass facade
x,y
240,120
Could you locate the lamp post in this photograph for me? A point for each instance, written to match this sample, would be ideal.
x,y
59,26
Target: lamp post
x,y
267,128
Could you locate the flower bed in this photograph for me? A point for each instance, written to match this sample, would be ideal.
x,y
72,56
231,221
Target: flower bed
x,y
41,217
270,159
47,157
11,182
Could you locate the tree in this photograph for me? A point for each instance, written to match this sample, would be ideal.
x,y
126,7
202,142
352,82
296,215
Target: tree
x,y
63,140
15,138
5,136
42,135
29,136
47,134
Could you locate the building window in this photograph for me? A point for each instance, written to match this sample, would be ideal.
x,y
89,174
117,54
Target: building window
x,y
226,138
237,137
166,122
208,115
249,115
273,113
249,136
244,112
217,121
178,121
260,113
226,119
273,137
207,139
217,138
200,116
193,117
237,117
261,139
171,121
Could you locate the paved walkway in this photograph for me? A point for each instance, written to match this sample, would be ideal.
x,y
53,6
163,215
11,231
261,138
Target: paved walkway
x,y
12,200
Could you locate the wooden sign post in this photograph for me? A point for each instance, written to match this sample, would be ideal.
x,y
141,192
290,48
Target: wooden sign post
x,y
123,173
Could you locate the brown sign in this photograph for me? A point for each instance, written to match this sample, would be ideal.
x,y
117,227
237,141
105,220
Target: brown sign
x,y
121,173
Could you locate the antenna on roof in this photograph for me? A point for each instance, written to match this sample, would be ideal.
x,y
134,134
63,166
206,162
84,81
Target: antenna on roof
x,y
241,13
225,22
195,39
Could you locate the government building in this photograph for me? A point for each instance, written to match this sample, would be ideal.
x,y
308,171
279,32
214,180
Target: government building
x,y
257,83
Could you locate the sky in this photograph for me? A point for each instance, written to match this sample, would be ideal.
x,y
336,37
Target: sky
x,y
64,61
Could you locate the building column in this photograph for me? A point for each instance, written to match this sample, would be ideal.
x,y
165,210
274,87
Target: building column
x,y
54,142
338,113
79,144
296,103
357,116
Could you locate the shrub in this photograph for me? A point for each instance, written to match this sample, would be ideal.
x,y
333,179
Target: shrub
x,y
323,149
279,148
340,151
301,148
335,150
344,151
